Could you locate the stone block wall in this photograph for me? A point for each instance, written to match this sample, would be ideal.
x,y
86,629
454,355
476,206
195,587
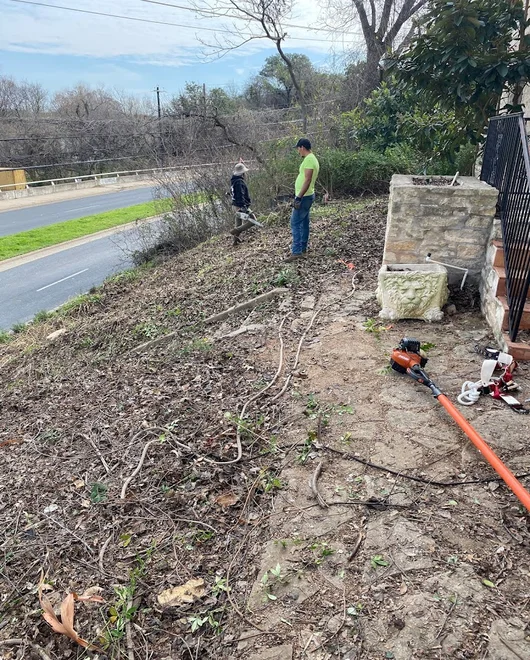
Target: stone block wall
x,y
453,223
491,306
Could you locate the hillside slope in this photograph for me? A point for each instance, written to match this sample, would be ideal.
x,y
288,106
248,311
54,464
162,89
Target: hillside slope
x,y
119,468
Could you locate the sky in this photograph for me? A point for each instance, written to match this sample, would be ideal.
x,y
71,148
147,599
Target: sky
x,y
59,48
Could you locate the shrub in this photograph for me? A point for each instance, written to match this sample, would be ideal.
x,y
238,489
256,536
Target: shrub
x,y
353,172
201,209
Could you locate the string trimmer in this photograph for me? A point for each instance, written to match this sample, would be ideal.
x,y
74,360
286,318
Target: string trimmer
x,y
407,358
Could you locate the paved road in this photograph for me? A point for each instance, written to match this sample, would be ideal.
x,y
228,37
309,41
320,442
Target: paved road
x,y
12,222
49,282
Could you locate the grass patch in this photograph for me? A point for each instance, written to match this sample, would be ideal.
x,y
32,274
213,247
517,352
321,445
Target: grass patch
x,y
340,208
35,239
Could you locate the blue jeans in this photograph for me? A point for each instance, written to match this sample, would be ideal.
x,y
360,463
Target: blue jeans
x,y
300,225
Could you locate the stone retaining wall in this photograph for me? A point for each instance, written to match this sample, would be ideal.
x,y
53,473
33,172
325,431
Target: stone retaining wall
x,y
452,223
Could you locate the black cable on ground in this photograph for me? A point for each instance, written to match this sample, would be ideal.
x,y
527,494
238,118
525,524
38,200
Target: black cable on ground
x,y
420,480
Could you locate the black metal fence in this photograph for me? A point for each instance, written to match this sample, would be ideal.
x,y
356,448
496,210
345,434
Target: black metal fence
x,y
506,166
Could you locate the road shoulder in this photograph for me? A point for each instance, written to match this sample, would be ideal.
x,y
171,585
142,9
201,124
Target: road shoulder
x,y
13,262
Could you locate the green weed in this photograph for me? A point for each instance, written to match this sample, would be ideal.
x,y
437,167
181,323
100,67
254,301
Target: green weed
x,y
98,493
18,328
5,337
377,561
148,330
81,303
41,316
50,436
202,345
125,276
121,612
286,276
307,447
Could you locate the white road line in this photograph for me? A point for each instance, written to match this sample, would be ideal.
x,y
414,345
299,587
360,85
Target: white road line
x,y
64,278
83,208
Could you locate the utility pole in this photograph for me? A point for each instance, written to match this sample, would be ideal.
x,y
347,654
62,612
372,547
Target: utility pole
x,y
161,148
157,90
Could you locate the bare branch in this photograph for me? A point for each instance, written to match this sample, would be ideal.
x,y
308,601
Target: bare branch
x,y
268,15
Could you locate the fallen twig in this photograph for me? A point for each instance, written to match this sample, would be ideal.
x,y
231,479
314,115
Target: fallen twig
x,y
244,328
11,642
142,459
453,605
510,647
248,304
410,477
357,546
319,426
102,553
54,520
128,632
20,642
297,357
251,400
98,452
313,485
228,588
154,342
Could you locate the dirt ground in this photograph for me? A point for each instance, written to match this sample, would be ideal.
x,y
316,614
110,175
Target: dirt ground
x,y
120,473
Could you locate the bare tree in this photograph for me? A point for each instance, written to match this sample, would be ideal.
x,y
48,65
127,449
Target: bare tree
x,y
256,19
381,23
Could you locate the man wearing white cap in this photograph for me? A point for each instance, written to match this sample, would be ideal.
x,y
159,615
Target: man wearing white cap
x,y
241,200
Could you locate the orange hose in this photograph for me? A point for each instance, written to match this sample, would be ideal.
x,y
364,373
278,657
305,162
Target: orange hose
x,y
508,477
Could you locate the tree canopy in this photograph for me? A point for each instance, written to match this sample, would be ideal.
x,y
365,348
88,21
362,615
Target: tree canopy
x,y
467,57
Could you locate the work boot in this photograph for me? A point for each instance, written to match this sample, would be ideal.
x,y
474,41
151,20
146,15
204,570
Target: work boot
x,y
239,230
236,241
293,257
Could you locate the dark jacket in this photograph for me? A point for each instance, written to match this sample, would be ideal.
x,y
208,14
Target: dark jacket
x,y
239,190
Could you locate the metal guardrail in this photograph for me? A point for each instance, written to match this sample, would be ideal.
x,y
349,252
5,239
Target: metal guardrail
x,y
96,177
506,166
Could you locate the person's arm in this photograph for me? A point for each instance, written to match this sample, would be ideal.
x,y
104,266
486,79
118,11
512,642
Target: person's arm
x,y
308,174
246,195
239,195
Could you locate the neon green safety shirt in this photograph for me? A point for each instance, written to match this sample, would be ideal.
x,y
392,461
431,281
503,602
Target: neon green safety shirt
x,y
310,162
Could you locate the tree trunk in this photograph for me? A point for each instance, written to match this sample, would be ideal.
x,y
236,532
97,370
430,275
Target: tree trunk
x,y
299,92
372,73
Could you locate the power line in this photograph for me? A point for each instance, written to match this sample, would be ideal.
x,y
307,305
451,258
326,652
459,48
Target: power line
x,y
218,15
85,123
73,137
148,20
101,13
83,162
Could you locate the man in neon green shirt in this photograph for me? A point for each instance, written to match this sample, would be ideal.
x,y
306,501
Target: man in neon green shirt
x,y
304,189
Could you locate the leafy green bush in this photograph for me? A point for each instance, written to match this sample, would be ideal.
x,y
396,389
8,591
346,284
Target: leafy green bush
x,y
365,170
436,141
342,172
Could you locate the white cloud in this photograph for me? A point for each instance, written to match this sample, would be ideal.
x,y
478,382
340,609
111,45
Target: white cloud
x,y
33,29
